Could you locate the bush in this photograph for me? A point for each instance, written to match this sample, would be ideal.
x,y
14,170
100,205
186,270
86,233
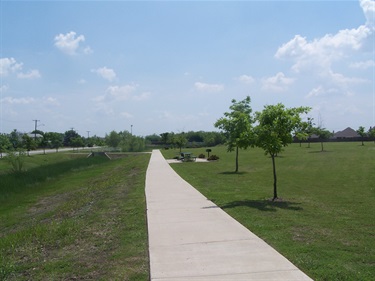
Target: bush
x,y
202,156
16,160
213,157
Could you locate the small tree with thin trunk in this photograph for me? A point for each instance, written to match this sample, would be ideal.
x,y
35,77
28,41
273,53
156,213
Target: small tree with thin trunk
x,y
362,133
323,135
274,131
28,143
237,126
371,133
180,140
5,144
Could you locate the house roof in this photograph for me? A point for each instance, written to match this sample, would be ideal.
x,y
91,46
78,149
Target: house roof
x,y
34,135
347,133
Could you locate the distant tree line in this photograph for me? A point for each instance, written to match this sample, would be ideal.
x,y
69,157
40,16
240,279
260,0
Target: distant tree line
x,y
186,139
18,141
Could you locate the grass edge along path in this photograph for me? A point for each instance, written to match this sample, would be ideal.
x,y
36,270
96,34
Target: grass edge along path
x,y
89,223
325,222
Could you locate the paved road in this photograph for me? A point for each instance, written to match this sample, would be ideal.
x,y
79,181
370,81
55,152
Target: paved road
x,y
190,238
41,151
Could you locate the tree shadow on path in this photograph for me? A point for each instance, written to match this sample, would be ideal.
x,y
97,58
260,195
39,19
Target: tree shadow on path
x,y
264,205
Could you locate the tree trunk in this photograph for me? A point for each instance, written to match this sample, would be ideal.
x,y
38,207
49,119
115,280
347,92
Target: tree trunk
x,y
236,159
322,145
274,178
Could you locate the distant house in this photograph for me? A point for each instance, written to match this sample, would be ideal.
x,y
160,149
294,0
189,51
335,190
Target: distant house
x,y
38,136
346,134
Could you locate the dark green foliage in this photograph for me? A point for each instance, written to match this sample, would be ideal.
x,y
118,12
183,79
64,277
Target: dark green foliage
x,y
213,157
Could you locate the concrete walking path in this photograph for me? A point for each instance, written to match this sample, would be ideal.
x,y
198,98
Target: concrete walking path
x,y
190,238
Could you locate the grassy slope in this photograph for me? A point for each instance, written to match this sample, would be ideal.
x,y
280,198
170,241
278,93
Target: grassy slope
x,y
325,223
87,222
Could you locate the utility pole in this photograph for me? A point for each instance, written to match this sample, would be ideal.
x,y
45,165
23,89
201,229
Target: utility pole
x,y
36,126
88,134
131,129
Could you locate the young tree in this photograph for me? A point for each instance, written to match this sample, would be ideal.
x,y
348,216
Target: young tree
x,y
304,131
44,142
15,138
180,140
77,142
113,139
274,131
55,140
28,143
371,133
5,144
323,134
237,126
362,133
68,136
165,138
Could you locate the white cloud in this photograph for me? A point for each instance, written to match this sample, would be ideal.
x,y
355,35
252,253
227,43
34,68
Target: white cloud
x,y
69,44
246,79
87,50
121,92
320,91
9,65
204,87
319,56
363,64
368,7
11,100
33,74
126,115
106,73
4,88
322,52
142,96
51,101
277,83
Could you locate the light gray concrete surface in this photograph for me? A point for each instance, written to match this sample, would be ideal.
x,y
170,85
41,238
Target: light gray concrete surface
x,y
190,238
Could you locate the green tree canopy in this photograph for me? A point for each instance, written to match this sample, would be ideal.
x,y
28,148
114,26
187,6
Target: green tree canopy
x,y
274,131
28,143
323,134
361,131
5,144
237,126
179,140
68,136
55,140
113,139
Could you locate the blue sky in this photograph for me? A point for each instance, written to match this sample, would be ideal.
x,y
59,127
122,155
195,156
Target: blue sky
x,y
165,66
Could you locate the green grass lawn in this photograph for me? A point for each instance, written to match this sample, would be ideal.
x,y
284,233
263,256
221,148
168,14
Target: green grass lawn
x,y
68,218
325,221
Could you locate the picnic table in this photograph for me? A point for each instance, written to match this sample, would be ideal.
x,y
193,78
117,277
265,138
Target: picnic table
x,y
187,157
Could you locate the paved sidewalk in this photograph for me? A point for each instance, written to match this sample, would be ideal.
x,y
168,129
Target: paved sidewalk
x,y
190,238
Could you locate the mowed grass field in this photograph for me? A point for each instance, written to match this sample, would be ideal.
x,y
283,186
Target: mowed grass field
x,y
325,222
69,217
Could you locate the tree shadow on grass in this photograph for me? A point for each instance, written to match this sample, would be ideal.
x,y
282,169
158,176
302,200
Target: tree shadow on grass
x,y
232,173
264,205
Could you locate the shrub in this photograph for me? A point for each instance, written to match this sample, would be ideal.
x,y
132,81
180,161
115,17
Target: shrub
x,y
213,157
17,160
202,156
